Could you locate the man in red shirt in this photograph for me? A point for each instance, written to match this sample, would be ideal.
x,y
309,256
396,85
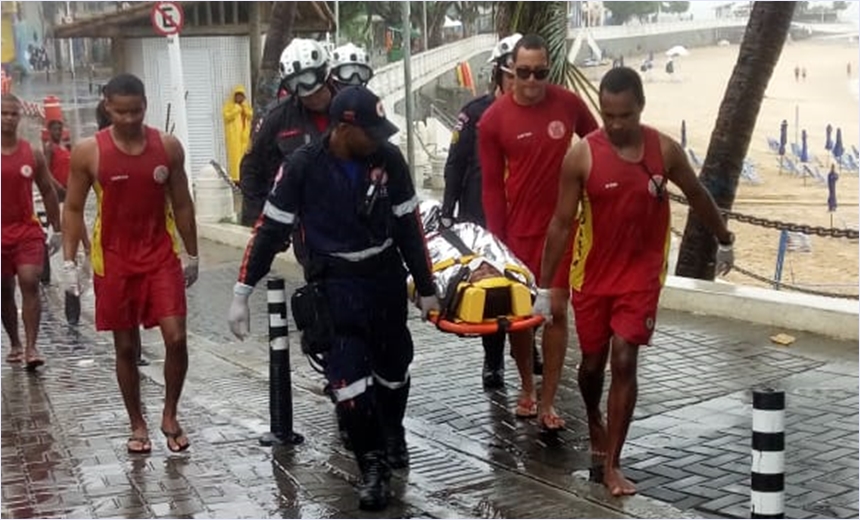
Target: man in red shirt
x,y
59,157
23,240
143,199
619,175
522,140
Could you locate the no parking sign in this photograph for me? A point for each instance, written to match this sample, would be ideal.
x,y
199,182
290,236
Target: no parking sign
x,y
167,18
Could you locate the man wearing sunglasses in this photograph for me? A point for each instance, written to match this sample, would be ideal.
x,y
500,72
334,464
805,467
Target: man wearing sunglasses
x,y
354,194
294,121
522,140
621,247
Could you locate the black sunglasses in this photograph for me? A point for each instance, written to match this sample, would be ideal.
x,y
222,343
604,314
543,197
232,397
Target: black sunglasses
x,y
525,73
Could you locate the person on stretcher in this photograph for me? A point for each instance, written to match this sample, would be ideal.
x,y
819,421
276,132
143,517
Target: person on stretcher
x,y
481,284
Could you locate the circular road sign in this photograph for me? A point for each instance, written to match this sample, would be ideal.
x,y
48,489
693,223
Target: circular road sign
x,y
167,18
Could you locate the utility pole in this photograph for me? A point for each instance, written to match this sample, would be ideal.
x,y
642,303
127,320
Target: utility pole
x,y
336,23
407,87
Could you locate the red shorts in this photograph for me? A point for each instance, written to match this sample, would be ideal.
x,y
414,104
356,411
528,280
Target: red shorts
x,y
631,316
529,250
27,251
127,301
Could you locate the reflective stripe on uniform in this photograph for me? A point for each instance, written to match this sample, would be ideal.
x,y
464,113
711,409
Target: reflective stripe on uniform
x,y
353,390
406,207
392,385
278,215
364,254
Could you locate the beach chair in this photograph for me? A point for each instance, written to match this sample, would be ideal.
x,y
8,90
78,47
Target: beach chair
x,y
813,174
855,151
795,150
773,144
848,163
750,174
789,166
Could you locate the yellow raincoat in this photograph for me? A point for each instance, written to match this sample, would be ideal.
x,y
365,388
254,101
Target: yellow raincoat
x,y
237,130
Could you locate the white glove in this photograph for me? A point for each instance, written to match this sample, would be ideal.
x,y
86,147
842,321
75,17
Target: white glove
x,y
55,242
542,305
239,315
427,304
69,278
725,259
191,270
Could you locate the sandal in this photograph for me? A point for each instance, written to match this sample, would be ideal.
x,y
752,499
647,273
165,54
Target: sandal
x,y
526,408
32,363
15,356
144,442
174,436
551,422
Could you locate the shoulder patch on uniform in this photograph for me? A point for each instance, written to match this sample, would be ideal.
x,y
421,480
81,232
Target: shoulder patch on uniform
x,y
455,135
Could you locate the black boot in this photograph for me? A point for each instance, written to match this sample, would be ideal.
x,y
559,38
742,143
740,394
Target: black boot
x,y
392,407
375,479
493,375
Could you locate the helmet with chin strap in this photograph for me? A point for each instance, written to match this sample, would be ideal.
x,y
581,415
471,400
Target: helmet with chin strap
x,y
304,66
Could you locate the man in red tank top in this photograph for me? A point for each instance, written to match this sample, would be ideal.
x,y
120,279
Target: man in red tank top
x,y
522,139
23,240
59,156
139,178
619,174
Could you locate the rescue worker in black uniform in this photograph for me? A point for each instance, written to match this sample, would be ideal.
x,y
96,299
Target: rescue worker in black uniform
x,y
294,121
463,186
354,195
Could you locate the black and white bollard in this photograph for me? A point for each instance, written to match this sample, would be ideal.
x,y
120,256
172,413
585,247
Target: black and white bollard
x,y
767,484
280,379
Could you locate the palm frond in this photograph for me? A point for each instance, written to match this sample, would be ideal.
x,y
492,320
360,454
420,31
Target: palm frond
x,y
549,19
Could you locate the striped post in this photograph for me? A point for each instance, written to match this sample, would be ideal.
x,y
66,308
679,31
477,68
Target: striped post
x,y
768,454
280,380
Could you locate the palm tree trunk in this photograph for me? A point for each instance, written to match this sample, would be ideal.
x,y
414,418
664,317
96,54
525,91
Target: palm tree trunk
x,y
278,35
765,35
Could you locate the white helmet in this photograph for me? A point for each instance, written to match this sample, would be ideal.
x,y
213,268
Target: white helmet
x,y
304,66
504,50
350,65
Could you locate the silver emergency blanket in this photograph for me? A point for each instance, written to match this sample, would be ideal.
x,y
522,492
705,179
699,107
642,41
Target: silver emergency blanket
x,y
478,240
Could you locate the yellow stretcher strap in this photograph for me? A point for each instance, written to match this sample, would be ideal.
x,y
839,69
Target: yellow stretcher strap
x,y
448,262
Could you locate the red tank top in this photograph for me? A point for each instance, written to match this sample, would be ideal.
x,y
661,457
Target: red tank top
x,y
61,159
134,231
622,241
19,221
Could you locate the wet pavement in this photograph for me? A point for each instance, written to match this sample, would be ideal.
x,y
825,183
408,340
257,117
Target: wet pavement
x,y
64,429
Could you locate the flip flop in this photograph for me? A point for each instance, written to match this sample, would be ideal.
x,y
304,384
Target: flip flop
x,y
15,357
551,422
32,363
174,436
526,409
144,441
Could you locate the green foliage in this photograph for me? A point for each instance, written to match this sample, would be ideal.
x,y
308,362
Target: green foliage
x,y
548,19
624,11
676,7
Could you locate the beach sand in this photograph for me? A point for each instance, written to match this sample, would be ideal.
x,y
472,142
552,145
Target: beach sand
x,y
827,96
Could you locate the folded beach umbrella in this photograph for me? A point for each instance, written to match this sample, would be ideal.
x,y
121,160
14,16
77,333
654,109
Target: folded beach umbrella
x,y
683,133
804,149
838,149
828,143
783,136
832,177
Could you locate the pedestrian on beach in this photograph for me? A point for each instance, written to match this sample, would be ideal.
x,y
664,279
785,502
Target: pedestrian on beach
x,y
616,180
522,139
23,239
143,199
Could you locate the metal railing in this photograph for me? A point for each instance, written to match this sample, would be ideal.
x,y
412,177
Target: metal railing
x,y
607,32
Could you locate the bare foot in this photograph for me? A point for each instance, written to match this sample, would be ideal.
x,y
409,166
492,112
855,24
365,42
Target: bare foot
x,y
597,435
16,355
617,483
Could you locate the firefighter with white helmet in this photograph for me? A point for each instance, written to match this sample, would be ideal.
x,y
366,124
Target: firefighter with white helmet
x,y
298,119
350,65
463,183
